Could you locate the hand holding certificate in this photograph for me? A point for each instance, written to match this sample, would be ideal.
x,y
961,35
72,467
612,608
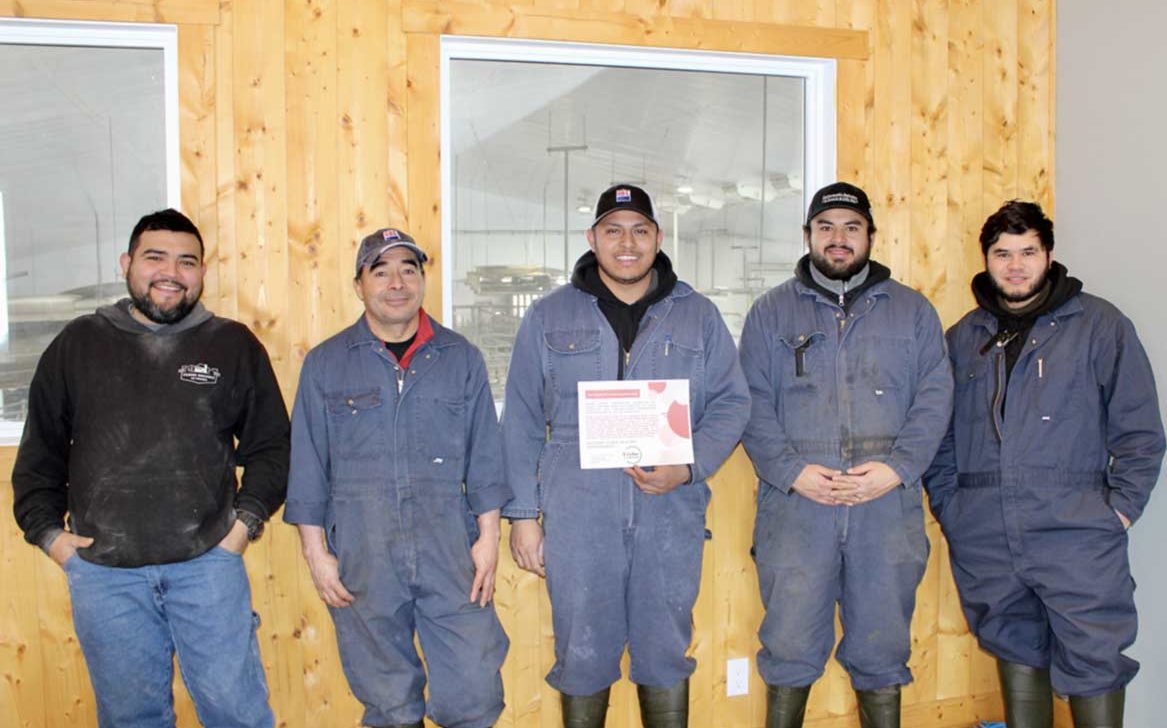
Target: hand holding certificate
x,y
634,423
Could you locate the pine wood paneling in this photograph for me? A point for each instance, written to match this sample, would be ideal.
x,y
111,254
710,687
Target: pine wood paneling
x,y
141,11
305,125
464,18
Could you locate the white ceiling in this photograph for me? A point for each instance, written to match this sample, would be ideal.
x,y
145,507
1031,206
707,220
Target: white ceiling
x,y
72,138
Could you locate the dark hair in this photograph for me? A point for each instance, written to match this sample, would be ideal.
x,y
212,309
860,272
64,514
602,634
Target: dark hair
x,y
1016,217
168,219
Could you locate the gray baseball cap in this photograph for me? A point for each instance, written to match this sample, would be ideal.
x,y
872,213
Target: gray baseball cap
x,y
377,244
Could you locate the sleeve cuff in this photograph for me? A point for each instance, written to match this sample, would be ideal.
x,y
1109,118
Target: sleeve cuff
x,y
46,539
252,506
787,476
308,514
492,497
905,477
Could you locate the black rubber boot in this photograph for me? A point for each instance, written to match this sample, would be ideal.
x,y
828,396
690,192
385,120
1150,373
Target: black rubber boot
x,y
664,707
1098,711
785,707
879,708
1029,698
585,711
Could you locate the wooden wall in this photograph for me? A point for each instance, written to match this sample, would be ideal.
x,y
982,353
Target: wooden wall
x,y
307,123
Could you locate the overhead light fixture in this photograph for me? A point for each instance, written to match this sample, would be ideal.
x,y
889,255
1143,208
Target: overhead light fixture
x,y
685,189
584,209
713,202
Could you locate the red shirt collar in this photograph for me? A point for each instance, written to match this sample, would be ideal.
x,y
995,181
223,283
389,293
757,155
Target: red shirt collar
x,y
425,332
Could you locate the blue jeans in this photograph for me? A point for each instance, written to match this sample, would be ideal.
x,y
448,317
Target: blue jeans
x,y
130,622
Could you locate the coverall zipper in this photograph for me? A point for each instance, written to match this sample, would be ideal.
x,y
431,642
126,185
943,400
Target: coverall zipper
x,y
999,391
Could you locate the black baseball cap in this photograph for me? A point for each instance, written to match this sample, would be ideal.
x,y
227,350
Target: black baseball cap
x,y
840,194
376,244
624,197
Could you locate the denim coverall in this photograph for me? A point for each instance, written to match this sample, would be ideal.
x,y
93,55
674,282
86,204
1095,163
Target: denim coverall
x,y
1027,498
838,389
394,464
622,566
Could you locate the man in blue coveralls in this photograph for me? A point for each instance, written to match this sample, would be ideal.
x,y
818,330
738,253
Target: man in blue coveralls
x,y
1054,446
396,485
851,393
622,554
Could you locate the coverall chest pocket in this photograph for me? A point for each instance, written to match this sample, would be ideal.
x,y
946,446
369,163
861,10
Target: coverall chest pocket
x,y
354,423
678,355
1060,382
878,371
440,437
572,356
971,395
800,361
801,358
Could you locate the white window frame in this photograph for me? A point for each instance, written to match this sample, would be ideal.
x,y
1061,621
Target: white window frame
x,y
20,31
819,120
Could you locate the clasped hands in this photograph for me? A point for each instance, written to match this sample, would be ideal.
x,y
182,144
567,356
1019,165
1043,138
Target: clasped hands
x,y
858,484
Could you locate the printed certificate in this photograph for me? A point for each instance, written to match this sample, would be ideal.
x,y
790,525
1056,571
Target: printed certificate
x,y
634,422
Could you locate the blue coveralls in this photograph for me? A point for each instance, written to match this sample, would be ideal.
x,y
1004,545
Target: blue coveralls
x,y
622,566
838,389
396,478
1027,499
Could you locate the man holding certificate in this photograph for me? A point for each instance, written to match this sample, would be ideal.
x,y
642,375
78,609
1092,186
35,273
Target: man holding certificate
x,y
624,394
851,393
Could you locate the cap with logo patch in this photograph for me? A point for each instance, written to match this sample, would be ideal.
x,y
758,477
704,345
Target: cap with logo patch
x,y
377,244
624,197
840,194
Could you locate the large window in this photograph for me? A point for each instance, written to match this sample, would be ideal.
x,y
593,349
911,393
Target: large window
x,y
90,129
727,144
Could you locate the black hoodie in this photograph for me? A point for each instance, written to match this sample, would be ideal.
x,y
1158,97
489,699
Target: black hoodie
x,y
624,318
1013,325
137,432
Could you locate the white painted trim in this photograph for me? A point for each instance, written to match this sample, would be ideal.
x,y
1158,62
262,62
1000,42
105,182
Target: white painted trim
x,y
817,73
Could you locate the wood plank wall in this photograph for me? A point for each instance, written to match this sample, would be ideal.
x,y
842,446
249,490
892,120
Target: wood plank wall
x,y
306,124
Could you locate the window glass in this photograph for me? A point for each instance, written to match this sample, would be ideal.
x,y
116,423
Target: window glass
x,y
531,146
84,156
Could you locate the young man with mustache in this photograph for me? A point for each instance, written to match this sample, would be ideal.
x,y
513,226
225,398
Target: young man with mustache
x,y
1054,446
138,416
622,553
851,393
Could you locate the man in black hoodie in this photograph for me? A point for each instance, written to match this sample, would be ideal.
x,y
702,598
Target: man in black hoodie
x,y
138,416
1054,446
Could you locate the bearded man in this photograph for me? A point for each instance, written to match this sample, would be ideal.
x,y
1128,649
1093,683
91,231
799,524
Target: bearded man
x,y
851,392
1054,446
138,415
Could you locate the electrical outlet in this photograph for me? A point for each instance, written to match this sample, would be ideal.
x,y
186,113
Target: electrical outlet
x,y
737,676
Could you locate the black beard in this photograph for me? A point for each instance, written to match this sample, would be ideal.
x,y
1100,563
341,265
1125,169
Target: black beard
x,y
156,313
832,271
1023,296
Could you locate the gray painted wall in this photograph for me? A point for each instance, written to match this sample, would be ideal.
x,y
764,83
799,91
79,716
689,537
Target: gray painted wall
x,y
1111,225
